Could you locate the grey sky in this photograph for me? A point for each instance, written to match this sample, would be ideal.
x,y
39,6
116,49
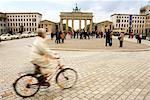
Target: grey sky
x,y
102,9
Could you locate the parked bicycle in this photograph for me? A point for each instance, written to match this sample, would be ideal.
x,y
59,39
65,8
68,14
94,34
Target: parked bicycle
x,y
29,84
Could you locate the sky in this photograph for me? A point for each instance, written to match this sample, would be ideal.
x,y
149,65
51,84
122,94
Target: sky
x,y
50,9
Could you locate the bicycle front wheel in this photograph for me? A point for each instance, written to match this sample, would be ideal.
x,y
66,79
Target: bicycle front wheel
x,y
66,78
26,85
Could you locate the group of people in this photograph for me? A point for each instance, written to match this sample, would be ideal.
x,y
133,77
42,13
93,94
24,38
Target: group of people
x,y
60,36
109,35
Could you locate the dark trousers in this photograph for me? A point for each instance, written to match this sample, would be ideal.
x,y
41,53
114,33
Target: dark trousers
x,y
121,43
107,41
139,40
62,40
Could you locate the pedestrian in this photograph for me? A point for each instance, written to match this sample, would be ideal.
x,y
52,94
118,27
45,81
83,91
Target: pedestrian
x,y
107,38
57,37
121,38
52,35
62,36
139,37
110,38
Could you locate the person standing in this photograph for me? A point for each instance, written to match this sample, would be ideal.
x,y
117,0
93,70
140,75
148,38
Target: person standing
x,y
110,38
139,37
107,38
62,36
121,38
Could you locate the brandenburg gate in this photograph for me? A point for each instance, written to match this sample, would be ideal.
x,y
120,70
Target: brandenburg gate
x,y
76,15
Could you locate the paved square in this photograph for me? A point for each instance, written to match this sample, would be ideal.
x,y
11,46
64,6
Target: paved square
x,y
110,75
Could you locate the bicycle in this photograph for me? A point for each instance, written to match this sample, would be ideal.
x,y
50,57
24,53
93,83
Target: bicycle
x,y
30,83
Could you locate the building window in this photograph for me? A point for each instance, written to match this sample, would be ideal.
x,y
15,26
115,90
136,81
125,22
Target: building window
x,y
33,19
24,19
21,19
16,24
27,28
30,29
35,24
16,19
18,16
35,15
8,24
32,15
29,19
10,19
27,24
29,15
124,25
24,24
118,20
30,24
11,24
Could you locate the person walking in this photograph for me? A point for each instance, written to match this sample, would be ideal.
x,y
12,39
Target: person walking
x,y
121,38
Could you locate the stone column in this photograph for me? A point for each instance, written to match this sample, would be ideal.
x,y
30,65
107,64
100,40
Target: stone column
x,y
61,24
66,24
80,24
91,22
72,24
85,24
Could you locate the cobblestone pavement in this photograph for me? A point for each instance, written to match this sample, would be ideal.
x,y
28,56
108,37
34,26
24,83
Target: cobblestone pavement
x,y
102,75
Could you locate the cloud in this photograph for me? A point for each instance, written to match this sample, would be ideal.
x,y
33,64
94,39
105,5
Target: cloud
x,y
50,9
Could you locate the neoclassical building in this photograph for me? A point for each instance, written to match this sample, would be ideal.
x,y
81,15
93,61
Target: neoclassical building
x,y
104,26
136,23
76,14
27,20
2,23
48,25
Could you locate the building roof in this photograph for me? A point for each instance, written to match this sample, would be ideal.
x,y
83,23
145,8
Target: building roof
x,y
104,22
47,21
127,14
24,13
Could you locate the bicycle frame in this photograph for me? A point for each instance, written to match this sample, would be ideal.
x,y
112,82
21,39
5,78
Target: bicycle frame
x,y
51,75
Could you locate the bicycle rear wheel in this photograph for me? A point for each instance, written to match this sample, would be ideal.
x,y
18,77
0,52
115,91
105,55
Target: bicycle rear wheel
x,y
66,78
26,86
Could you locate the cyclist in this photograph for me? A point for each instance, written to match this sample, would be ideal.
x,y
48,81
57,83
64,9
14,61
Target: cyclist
x,y
42,56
